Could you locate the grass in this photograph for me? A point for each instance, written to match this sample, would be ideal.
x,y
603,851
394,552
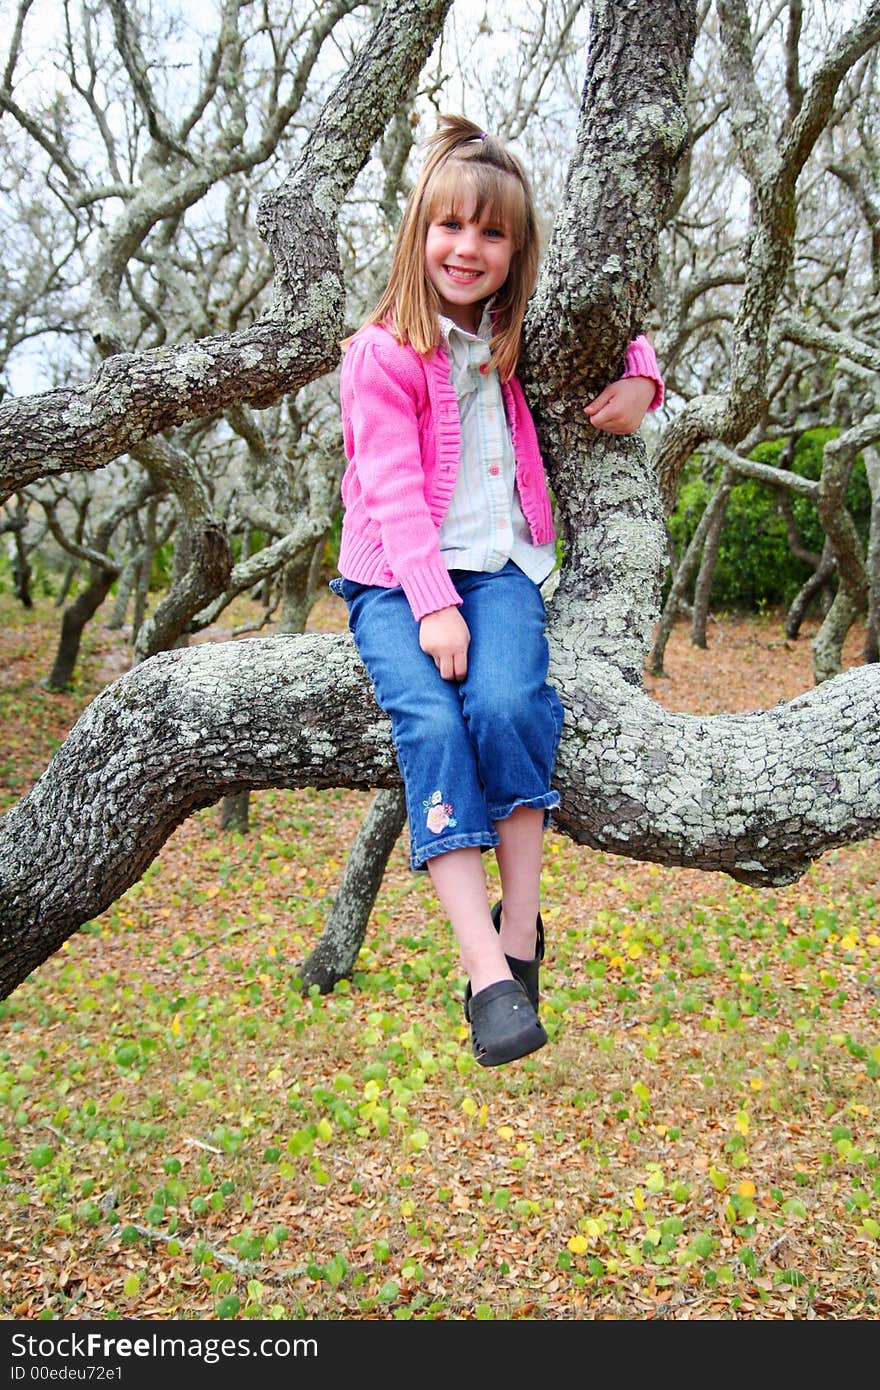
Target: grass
x,y
185,1135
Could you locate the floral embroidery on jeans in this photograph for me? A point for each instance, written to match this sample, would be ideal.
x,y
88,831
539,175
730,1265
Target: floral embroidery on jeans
x,y
439,813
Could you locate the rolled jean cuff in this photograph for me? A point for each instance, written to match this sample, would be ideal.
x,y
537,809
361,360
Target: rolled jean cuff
x,y
420,854
548,802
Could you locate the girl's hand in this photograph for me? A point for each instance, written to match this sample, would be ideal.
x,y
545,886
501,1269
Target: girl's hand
x,y
622,406
444,635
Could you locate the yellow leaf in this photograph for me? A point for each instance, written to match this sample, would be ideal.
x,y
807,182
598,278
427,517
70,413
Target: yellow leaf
x,y
469,1105
616,960
741,1123
873,939
756,1083
505,1132
639,1199
634,950
175,1025
746,1188
578,1244
484,1114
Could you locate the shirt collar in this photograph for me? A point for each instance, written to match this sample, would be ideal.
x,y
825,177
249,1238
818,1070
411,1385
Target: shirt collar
x,y
483,333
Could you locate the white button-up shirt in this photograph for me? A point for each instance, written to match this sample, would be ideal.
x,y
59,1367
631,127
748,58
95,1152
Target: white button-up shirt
x,y
485,526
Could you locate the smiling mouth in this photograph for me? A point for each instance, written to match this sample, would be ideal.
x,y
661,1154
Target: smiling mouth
x,y
463,276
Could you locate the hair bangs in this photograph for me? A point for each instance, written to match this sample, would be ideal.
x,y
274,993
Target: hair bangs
x,y
495,195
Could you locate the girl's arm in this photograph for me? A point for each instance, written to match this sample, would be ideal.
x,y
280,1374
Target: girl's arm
x,y
622,406
380,408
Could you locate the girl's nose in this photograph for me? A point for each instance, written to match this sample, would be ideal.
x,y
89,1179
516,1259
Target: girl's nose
x,y
470,242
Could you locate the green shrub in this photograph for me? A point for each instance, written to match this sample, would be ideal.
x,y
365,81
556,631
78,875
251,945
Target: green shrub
x,y
755,567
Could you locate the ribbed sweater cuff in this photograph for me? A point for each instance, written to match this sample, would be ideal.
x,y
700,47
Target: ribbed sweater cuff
x,y
641,360
429,589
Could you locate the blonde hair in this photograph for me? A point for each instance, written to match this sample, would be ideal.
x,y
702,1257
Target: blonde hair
x,y
462,162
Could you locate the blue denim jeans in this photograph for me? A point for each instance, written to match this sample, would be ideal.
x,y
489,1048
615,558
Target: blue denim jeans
x,y
470,752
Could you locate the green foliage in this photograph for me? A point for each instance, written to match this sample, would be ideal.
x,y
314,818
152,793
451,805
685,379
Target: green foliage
x,y
162,566
46,576
755,567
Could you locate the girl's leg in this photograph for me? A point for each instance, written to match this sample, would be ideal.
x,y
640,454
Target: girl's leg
x,y
460,883
519,853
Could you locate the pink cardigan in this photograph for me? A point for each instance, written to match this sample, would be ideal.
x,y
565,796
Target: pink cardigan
x,y
402,437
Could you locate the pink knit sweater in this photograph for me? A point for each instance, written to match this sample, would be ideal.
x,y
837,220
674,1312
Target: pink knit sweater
x,y
402,438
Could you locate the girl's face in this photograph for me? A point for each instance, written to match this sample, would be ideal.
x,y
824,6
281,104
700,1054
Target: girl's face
x,y
466,260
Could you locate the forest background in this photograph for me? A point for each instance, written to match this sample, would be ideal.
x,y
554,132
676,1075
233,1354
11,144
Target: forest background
x,y
188,1133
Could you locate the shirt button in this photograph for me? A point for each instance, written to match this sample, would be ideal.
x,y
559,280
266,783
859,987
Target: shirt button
x,y
494,470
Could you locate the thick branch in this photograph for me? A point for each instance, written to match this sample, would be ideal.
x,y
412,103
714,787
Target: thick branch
x,y
755,795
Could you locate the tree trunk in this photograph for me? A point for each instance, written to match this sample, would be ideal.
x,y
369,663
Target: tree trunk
x,y
683,575
334,956
127,578
235,812
66,582
829,640
206,561
851,600
872,634
817,583
142,589
299,586
706,576
21,569
73,621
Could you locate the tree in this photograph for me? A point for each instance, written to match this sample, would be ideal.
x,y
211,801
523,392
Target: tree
x,y
777,141
757,796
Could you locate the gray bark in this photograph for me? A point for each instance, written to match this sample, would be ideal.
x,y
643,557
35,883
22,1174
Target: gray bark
x,y
817,582
206,561
706,575
688,564
758,796
872,641
851,599
235,812
828,643
335,954
124,588
73,622
20,562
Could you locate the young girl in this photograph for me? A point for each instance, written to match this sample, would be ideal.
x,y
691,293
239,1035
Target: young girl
x,y
447,536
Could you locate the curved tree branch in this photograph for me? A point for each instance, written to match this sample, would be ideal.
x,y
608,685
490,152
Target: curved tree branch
x,y
133,396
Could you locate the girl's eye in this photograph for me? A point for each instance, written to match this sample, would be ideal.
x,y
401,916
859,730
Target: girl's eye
x,y
494,232
451,224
